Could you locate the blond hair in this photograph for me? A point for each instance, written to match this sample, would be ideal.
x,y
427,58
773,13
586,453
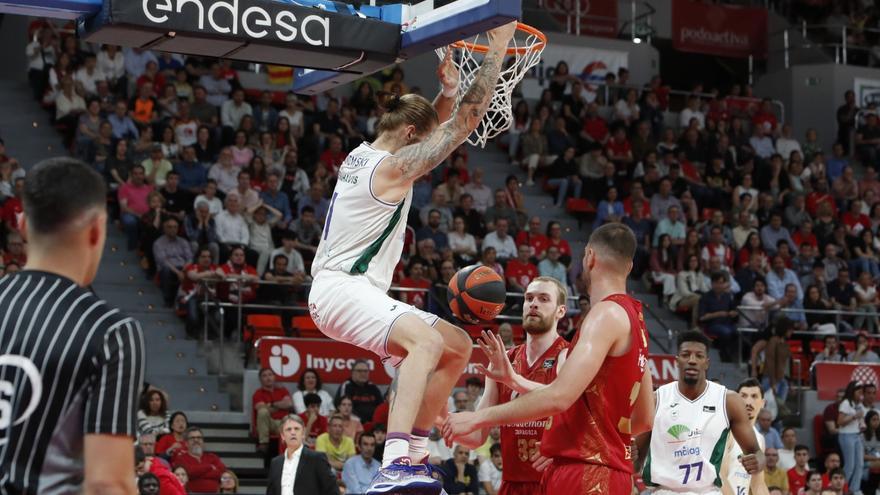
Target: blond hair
x,y
410,109
561,291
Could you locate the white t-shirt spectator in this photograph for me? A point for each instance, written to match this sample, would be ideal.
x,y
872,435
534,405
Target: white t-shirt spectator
x,y
504,248
849,409
784,146
460,244
299,404
89,80
294,260
232,229
65,105
482,195
215,206
684,118
112,68
488,472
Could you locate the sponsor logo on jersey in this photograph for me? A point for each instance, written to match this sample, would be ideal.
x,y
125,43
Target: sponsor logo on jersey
x,y
548,363
686,451
709,409
677,430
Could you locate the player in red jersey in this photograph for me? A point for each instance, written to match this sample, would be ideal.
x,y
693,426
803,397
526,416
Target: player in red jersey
x,y
603,393
518,371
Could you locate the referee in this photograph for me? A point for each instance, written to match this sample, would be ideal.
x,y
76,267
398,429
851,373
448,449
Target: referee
x,y
71,367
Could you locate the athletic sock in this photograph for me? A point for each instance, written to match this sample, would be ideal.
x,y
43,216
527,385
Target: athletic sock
x,y
418,446
396,446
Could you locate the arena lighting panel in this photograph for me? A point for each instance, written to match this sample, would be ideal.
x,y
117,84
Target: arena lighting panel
x,y
265,31
423,28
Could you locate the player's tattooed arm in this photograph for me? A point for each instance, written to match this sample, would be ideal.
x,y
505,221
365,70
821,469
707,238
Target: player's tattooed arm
x,y
415,160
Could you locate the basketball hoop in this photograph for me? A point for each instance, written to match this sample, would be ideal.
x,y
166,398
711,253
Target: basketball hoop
x,y
525,49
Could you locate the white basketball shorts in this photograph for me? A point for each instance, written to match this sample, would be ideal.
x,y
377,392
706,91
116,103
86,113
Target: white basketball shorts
x,y
348,308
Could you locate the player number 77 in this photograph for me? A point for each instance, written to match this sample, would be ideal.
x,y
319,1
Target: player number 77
x,y
687,471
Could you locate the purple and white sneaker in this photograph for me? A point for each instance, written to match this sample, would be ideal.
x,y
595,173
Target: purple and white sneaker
x,y
401,477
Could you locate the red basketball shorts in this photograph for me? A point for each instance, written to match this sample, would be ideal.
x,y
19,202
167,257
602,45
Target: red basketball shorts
x,y
519,488
580,478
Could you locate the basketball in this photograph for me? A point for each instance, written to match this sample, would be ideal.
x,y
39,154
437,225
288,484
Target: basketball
x,y
476,293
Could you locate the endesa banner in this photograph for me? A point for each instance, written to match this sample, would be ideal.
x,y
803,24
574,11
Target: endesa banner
x,y
288,357
721,30
831,377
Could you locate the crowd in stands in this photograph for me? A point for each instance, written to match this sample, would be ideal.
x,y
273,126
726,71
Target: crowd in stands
x,y
212,183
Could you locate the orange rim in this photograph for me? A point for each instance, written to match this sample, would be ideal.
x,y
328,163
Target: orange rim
x,y
525,28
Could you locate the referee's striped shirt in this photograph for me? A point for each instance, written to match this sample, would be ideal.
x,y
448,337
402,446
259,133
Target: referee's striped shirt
x,y
70,365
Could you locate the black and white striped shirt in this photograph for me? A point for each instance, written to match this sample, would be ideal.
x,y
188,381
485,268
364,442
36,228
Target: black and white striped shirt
x,y
69,366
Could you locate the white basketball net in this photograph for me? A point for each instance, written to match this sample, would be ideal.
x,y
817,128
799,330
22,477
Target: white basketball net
x,y
467,61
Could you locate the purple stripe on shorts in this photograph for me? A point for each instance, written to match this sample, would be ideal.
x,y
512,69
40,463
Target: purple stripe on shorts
x,y
420,433
398,436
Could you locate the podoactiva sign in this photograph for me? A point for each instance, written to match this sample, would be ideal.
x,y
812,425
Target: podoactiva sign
x,y
242,24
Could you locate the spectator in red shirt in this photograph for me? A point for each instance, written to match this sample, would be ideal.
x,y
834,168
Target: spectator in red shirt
x,y
147,463
820,195
333,156
805,235
554,237
797,476
416,280
520,271
172,443
619,150
854,220
595,129
637,193
133,204
204,468
237,267
764,117
315,424
12,210
271,403
534,239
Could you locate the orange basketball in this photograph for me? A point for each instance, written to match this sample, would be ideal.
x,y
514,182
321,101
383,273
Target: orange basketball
x,y
476,293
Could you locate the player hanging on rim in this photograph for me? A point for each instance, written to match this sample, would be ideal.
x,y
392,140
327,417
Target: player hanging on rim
x,y
736,480
518,371
694,417
603,392
361,244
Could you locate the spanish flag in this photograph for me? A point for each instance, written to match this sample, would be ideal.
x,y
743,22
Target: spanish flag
x,y
279,74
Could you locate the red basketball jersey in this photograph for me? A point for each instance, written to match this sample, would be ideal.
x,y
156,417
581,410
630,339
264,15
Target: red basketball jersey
x,y
519,441
596,428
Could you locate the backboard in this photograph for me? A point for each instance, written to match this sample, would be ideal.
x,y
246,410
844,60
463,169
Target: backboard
x,y
424,27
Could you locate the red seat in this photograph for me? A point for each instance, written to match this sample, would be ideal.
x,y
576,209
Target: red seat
x,y
806,360
816,346
306,327
580,208
849,345
264,326
795,346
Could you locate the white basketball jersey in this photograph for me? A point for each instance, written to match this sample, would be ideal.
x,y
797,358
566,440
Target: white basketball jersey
x,y
738,478
688,440
362,235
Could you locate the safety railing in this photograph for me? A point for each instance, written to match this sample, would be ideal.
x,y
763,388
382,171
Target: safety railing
x,y
208,302
636,24
834,37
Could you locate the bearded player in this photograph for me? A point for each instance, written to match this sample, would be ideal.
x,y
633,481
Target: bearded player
x,y
603,393
736,479
520,370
